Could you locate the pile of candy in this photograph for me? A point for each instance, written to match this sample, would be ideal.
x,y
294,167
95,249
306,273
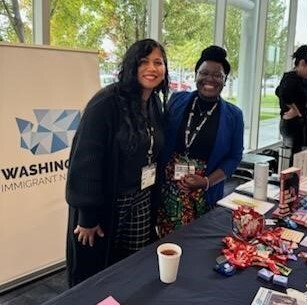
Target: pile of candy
x,y
266,249
247,223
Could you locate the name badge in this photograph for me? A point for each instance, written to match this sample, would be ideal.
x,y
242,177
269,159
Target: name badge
x,y
148,176
183,169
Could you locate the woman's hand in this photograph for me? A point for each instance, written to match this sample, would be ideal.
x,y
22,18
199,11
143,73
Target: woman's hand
x,y
87,235
192,182
293,112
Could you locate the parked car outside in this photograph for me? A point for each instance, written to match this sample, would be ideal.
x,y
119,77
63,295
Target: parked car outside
x,y
177,85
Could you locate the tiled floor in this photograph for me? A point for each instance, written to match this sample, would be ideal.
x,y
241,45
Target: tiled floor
x,y
39,291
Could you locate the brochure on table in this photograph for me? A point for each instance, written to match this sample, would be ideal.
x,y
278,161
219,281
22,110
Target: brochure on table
x,y
266,296
234,200
248,189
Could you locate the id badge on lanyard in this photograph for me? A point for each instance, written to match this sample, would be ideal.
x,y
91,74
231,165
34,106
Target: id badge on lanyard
x,y
148,175
182,169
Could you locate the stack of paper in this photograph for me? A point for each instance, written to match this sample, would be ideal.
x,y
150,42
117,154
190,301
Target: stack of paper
x,y
248,189
234,200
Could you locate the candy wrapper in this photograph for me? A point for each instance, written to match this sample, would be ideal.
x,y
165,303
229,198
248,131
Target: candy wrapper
x,y
247,224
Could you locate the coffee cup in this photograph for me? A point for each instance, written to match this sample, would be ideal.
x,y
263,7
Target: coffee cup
x,y
168,257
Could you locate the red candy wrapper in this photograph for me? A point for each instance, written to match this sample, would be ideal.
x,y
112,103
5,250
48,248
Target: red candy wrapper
x,y
247,224
238,253
251,245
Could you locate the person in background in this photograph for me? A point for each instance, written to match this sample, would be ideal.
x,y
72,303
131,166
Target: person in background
x,y
292,94
111,175
205,144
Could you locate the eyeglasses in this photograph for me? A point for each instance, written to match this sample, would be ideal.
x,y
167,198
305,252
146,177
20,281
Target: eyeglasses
x,y
216,76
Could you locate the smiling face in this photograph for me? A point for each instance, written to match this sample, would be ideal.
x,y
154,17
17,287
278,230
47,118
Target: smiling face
x,y
151,72
210,79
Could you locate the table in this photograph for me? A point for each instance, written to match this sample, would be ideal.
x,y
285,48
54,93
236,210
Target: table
x,y
135,280
247,164
249,160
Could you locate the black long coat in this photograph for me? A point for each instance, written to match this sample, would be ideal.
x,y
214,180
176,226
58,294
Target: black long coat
x,y
92,180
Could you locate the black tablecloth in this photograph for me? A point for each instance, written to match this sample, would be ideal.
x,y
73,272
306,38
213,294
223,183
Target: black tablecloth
x,y
135,280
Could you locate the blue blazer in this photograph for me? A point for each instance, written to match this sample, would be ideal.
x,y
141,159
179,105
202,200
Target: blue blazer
x,y
228,147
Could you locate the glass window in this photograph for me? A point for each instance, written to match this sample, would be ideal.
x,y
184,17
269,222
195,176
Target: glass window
x,y
301,24
16,21
232,45
243,29
187,29
110,26
274,59
237,43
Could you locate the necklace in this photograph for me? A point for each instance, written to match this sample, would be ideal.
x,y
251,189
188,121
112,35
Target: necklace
x,y
201,112
207,114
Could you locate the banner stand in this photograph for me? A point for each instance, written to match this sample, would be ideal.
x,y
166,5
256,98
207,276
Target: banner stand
x,y
43,93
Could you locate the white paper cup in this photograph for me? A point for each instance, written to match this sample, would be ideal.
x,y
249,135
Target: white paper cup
x,y
168,257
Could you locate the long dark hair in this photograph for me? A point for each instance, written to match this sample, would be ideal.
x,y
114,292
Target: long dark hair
x,y
131,90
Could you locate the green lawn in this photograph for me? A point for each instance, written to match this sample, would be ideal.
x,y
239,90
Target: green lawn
x,y
269,106
268,115
270,101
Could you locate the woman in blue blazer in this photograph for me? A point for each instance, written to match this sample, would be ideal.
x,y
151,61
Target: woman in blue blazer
x,y
204,138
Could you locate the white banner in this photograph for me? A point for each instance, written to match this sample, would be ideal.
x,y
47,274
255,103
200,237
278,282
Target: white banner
x,y
42,94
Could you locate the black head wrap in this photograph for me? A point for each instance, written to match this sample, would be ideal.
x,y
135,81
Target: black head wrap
x,y
300,53
214,53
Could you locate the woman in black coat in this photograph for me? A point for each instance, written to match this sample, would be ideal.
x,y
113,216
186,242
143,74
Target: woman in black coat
x,y
111,176
292,93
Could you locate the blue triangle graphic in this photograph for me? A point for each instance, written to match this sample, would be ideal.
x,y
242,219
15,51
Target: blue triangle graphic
x,y
40,128
62,135
75,123
57,144
34,149
62,116
41,150
23,144
40,114
23,124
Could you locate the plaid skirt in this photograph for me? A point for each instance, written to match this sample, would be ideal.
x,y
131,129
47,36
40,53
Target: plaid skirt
x,y
134,224
178,207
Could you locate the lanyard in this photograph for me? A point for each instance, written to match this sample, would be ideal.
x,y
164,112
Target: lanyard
x,y
188,142
150,132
